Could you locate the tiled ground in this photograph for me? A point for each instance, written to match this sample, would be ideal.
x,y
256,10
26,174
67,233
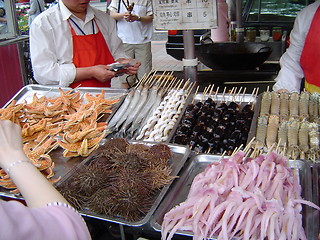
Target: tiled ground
x,y
161,61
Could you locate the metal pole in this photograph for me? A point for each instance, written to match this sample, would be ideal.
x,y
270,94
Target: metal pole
x,y
190,62
239,29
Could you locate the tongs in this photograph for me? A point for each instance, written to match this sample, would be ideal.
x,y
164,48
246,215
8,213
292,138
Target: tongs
x,y
128,6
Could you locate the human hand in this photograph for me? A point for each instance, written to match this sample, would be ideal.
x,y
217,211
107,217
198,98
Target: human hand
x,y
102,73
133,68
131,17
10,144
283,90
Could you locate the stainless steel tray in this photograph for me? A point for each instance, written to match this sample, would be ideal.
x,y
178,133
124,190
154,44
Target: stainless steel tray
x,y
180,155
109,92
26,93
180,189
62,165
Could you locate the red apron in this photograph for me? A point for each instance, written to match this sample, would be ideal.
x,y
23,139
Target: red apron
x,y
309,59
90,50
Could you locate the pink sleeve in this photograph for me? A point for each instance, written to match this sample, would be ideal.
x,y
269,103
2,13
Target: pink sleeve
x,y
51,222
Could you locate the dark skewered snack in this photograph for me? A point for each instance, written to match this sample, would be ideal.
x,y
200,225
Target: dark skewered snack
x,y
215,128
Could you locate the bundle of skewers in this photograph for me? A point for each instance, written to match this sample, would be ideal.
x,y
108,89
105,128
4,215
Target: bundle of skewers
x,y
216,123
290,121
241,197
151,109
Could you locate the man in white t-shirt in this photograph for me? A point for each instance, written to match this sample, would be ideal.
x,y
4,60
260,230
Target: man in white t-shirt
x,y
36,7
135,29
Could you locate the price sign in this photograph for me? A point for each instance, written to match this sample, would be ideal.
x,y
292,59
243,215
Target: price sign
x,y
184,14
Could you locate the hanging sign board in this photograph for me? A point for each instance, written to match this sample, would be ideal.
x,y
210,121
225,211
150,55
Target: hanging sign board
x,y
184,14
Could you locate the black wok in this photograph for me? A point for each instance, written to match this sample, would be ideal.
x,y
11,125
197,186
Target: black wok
x,y
232,55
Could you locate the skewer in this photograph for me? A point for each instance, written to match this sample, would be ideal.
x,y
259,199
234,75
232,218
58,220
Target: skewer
x,y
204,93
50,91
230,95
139,82
244,91
215,96
209,96
41,141
152,79
191,87
189,92
237,97
271,148
278,145
176,84
168,88
185,84
255,97
224,91
195,94
249,144
181,81
53,148
234,94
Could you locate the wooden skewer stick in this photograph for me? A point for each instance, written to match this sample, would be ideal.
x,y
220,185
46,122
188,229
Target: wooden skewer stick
x,y
53,147
249,144
169,87
185,84
181,81
230,95
191,87
237,96
255,97
204,93
195,94
224,91
244,92
41,141
234,94
211,90
215,96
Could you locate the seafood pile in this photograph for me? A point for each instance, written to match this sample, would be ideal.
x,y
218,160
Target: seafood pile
x,y
290,122
121,179
216,126
68,121
150,110
240,197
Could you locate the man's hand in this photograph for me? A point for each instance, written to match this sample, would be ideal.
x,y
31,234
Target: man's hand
x,y
102,73
130,17
131,70
283,90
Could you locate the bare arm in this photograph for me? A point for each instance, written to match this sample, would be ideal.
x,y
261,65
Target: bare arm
x,y
34,187
117,16
131,17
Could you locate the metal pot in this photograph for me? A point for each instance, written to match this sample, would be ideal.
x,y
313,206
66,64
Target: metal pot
x,y
233,55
